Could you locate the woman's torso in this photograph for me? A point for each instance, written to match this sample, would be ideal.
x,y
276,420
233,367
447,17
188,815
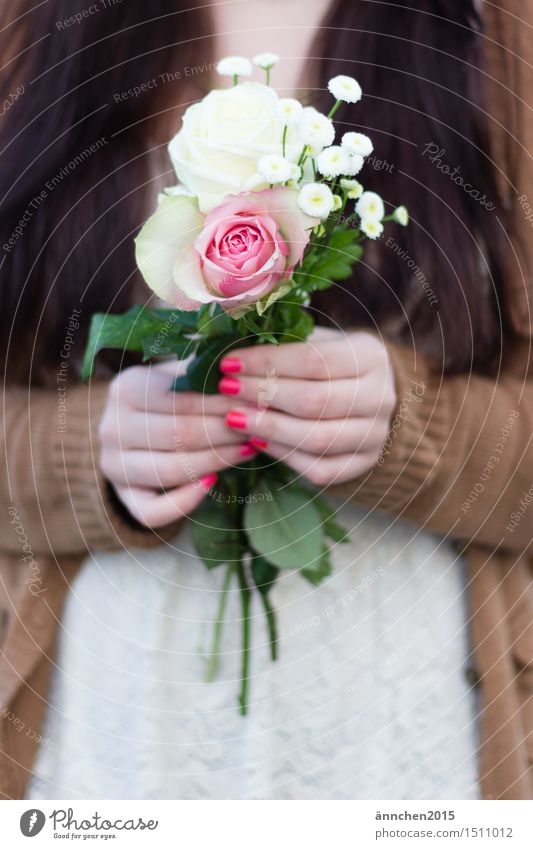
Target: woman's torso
x,y
369,697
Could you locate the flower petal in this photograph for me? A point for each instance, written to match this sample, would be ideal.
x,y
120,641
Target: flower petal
x,y
168,232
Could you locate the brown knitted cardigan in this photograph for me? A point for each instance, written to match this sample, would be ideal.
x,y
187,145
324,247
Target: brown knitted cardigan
x,y
55,506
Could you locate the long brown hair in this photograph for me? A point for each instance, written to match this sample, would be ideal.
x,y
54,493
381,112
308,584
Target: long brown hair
x,y
77,150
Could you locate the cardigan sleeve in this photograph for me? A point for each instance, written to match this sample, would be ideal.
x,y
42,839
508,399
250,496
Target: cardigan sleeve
x,y
53,497
459,456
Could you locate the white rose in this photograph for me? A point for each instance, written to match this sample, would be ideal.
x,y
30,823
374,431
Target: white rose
x,y
223,138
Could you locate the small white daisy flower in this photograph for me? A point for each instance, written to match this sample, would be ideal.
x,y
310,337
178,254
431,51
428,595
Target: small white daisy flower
x,y
316,129
345,88
296,172
234,66
266,60
332,161
401,215
370,205
371,227
350,185
357,143
337,203
275,169
316,199
354,164
289,111
353,187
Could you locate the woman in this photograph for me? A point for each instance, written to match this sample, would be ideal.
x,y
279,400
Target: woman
x,y
415,400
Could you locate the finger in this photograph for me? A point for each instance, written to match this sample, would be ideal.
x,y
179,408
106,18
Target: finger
x,y
160,432
321,360
154,510
166,470
308,399
159,398
335,436
324,471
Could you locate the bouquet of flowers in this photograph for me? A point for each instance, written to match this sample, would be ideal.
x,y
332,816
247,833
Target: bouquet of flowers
x,y
266,211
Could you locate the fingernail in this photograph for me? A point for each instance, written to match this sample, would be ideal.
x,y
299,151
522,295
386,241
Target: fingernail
x,y
229,386
258,443
248,450
230,365
236,419
208,481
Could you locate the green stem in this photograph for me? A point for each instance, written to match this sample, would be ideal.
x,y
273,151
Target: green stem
x,y
245,607
214,658
334,108
267,76
303,156
284,139
235,79
270,614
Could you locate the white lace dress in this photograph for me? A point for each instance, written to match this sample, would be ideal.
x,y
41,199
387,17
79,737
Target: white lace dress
x,y
368,699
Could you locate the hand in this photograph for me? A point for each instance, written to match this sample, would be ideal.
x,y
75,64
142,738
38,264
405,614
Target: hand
x,y
323,406
154,440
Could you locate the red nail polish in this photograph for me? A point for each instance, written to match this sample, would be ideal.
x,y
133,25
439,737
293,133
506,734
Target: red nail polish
x,y
230,365
258,443
236,419
229,386
247,450
208,481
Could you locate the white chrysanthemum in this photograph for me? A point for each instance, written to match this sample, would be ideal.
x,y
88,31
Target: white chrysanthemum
x,y
349,185
289,110
266,60
296,172
275,169
337,203
316,200
353,187
332,161
401,215
371,227
357,143
316,129
234,66
370,205
354,165
345,88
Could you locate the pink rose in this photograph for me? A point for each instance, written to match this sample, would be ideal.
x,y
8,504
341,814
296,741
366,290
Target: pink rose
x,y
236,255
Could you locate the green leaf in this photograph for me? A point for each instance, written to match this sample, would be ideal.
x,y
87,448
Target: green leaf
x,y
284,526
215,540
295,322
342,237
202,373
256,329
147,331
320,570
332,529
263,573
337,264
280,292
215,322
